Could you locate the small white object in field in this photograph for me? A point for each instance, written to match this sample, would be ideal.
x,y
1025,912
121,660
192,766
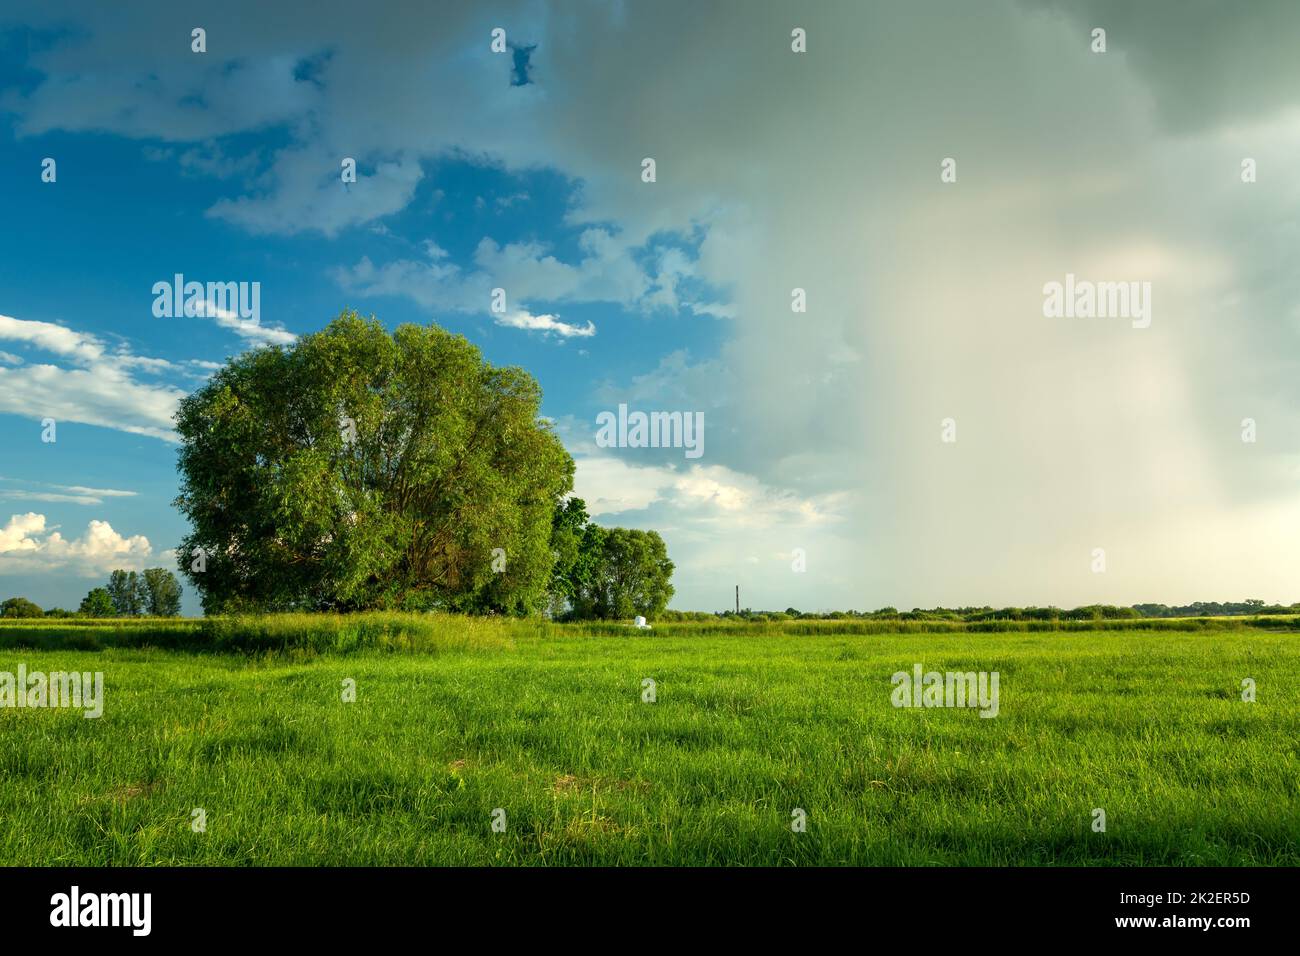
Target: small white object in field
x,y
640,622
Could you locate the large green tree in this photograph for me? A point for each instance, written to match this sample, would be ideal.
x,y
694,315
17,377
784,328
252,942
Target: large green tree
x,y
361,469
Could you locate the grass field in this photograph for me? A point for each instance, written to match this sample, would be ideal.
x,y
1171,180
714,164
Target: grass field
x,y
457,718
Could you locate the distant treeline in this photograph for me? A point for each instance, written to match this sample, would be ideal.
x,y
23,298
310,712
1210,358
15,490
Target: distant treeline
x,y
976,615
155,592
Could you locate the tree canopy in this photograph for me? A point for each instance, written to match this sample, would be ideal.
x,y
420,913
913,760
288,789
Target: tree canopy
x,y
98,603
154,591
161,593
126,591
617,573
360,468
20,607
578,550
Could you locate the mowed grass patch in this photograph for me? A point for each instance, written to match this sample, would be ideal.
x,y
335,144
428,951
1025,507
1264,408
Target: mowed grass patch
x,y
549,726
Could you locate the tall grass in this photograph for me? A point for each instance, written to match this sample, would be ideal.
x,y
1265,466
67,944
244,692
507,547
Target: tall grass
x,y
299,634
819,627
746,727
96,634
312,634
344,633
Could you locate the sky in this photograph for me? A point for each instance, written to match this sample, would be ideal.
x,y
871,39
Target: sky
x,y
921,433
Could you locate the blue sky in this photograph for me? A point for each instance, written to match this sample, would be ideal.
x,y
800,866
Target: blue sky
x,y
127,211
776,170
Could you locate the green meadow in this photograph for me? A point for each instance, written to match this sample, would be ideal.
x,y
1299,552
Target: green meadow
x,y
455,719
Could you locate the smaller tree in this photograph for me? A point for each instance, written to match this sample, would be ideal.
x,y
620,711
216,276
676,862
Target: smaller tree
x,y
128,593
161,593
98,603
632,575
578,548
20,607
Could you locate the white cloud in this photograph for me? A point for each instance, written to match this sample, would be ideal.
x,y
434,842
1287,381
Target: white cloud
x,y
716,310
21,494
16,535
528,272
52,338
66,494
154,366
251,329
612,486
99,390
88,90
308,196
547,324
27,545
505,202
430,284
706,494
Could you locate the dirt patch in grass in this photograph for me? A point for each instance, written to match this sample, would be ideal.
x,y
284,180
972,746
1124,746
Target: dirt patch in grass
x,y
123,794
568,783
